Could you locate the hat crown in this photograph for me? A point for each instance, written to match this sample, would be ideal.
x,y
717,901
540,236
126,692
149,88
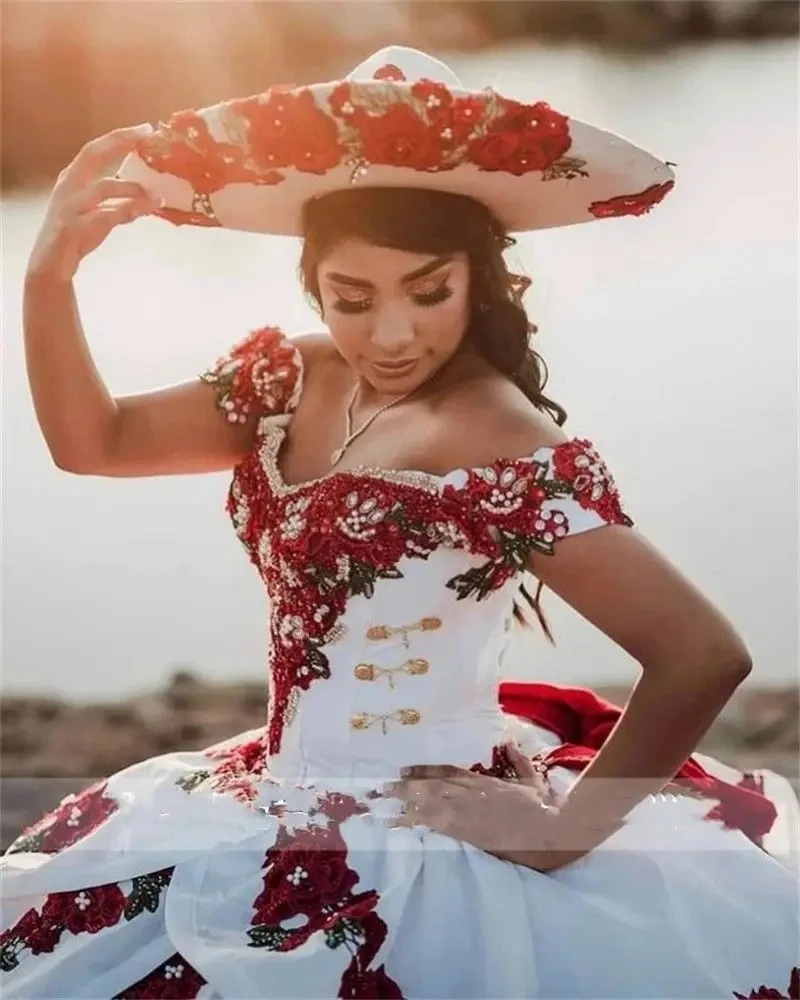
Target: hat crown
x,y
402,64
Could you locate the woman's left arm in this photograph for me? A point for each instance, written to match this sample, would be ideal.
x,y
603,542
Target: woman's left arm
x,y
692,661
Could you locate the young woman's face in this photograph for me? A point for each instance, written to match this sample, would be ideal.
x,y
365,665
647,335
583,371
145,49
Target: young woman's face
x,y
395,317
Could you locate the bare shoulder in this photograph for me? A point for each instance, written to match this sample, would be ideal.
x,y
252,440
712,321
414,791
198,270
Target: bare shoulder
x,y
312,345
488,418
315,349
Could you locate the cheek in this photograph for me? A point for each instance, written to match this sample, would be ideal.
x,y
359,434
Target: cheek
x,y
348,332
444,327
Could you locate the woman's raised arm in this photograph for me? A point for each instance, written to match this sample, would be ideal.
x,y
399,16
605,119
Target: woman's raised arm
x,y
172,430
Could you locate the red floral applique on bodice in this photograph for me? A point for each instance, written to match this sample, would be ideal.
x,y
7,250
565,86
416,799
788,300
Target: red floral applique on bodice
x,y
342,560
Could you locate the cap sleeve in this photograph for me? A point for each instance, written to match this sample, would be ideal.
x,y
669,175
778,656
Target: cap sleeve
x,y
526,505
261,375
574,488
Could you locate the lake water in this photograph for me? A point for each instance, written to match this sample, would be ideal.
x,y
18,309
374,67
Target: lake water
x,y
672,340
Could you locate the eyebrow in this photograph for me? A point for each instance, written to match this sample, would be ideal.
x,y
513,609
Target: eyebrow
x,y
420,272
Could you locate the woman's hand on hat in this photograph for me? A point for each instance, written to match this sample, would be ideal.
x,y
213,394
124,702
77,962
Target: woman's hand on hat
x,y
514,819
87,202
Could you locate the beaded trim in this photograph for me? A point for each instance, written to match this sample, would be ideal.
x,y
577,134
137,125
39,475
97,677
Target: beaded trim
x,y
272,436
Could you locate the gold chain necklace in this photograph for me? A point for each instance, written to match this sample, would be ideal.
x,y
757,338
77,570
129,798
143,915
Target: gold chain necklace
x,y
350,434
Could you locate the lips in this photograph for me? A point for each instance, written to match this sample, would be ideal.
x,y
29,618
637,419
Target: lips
x,y
394,367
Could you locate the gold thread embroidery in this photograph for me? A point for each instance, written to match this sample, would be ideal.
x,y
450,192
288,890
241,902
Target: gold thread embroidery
x,y
405,716
372,672
376,633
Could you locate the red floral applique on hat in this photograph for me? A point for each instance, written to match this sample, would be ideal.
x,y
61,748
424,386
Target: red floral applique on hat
x,y
399,110
389,72
631,204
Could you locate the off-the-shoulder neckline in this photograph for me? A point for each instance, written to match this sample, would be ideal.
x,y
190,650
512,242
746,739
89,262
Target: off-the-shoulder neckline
x,y
272,432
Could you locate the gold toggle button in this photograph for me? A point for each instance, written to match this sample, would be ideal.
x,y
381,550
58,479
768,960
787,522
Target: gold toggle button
x,y
371,671
405,716
378,632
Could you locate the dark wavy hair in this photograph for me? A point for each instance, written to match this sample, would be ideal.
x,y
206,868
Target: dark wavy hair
x,y
437,223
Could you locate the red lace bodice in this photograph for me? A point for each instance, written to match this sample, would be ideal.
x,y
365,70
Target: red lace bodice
x,y
320,544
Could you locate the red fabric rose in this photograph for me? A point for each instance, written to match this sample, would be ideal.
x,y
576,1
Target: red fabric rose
x,y
341,100
27,925
389,72
185,147
631,204
174,979
464,115
368,984
335,522
523,139
436,98
290,130
305,871
43,939
400,138
87,910
28,932
493,151
74,819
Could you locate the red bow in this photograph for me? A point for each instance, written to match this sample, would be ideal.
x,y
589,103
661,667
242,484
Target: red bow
x,y
583,721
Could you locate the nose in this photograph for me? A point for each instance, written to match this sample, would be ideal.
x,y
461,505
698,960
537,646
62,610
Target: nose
x,y
393,331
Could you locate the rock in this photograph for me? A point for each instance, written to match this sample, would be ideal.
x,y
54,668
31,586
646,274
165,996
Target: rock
x,y
119,715
183,690
18,741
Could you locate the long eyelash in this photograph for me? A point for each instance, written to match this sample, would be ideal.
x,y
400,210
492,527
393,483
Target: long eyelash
x,y
346,306
440,294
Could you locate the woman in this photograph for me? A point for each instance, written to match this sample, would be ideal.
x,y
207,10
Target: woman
x,y
390,831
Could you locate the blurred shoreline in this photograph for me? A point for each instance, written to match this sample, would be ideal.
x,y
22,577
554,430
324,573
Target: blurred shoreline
x,y
73,70
51,746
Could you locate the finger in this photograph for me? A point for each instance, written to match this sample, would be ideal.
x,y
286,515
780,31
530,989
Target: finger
x,y
141,205
521,763
415,788
125,210
108,216
527,772
109,188
102,156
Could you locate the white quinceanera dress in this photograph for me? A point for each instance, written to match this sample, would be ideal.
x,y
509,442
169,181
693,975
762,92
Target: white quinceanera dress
x,y
264,866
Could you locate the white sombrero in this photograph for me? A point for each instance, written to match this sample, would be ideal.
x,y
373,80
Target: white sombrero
x,y
400,119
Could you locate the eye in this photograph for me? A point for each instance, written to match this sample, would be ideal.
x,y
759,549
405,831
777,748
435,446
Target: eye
x,y
440,294
352,305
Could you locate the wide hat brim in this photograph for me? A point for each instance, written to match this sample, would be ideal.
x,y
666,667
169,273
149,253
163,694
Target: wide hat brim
x,y
401,119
